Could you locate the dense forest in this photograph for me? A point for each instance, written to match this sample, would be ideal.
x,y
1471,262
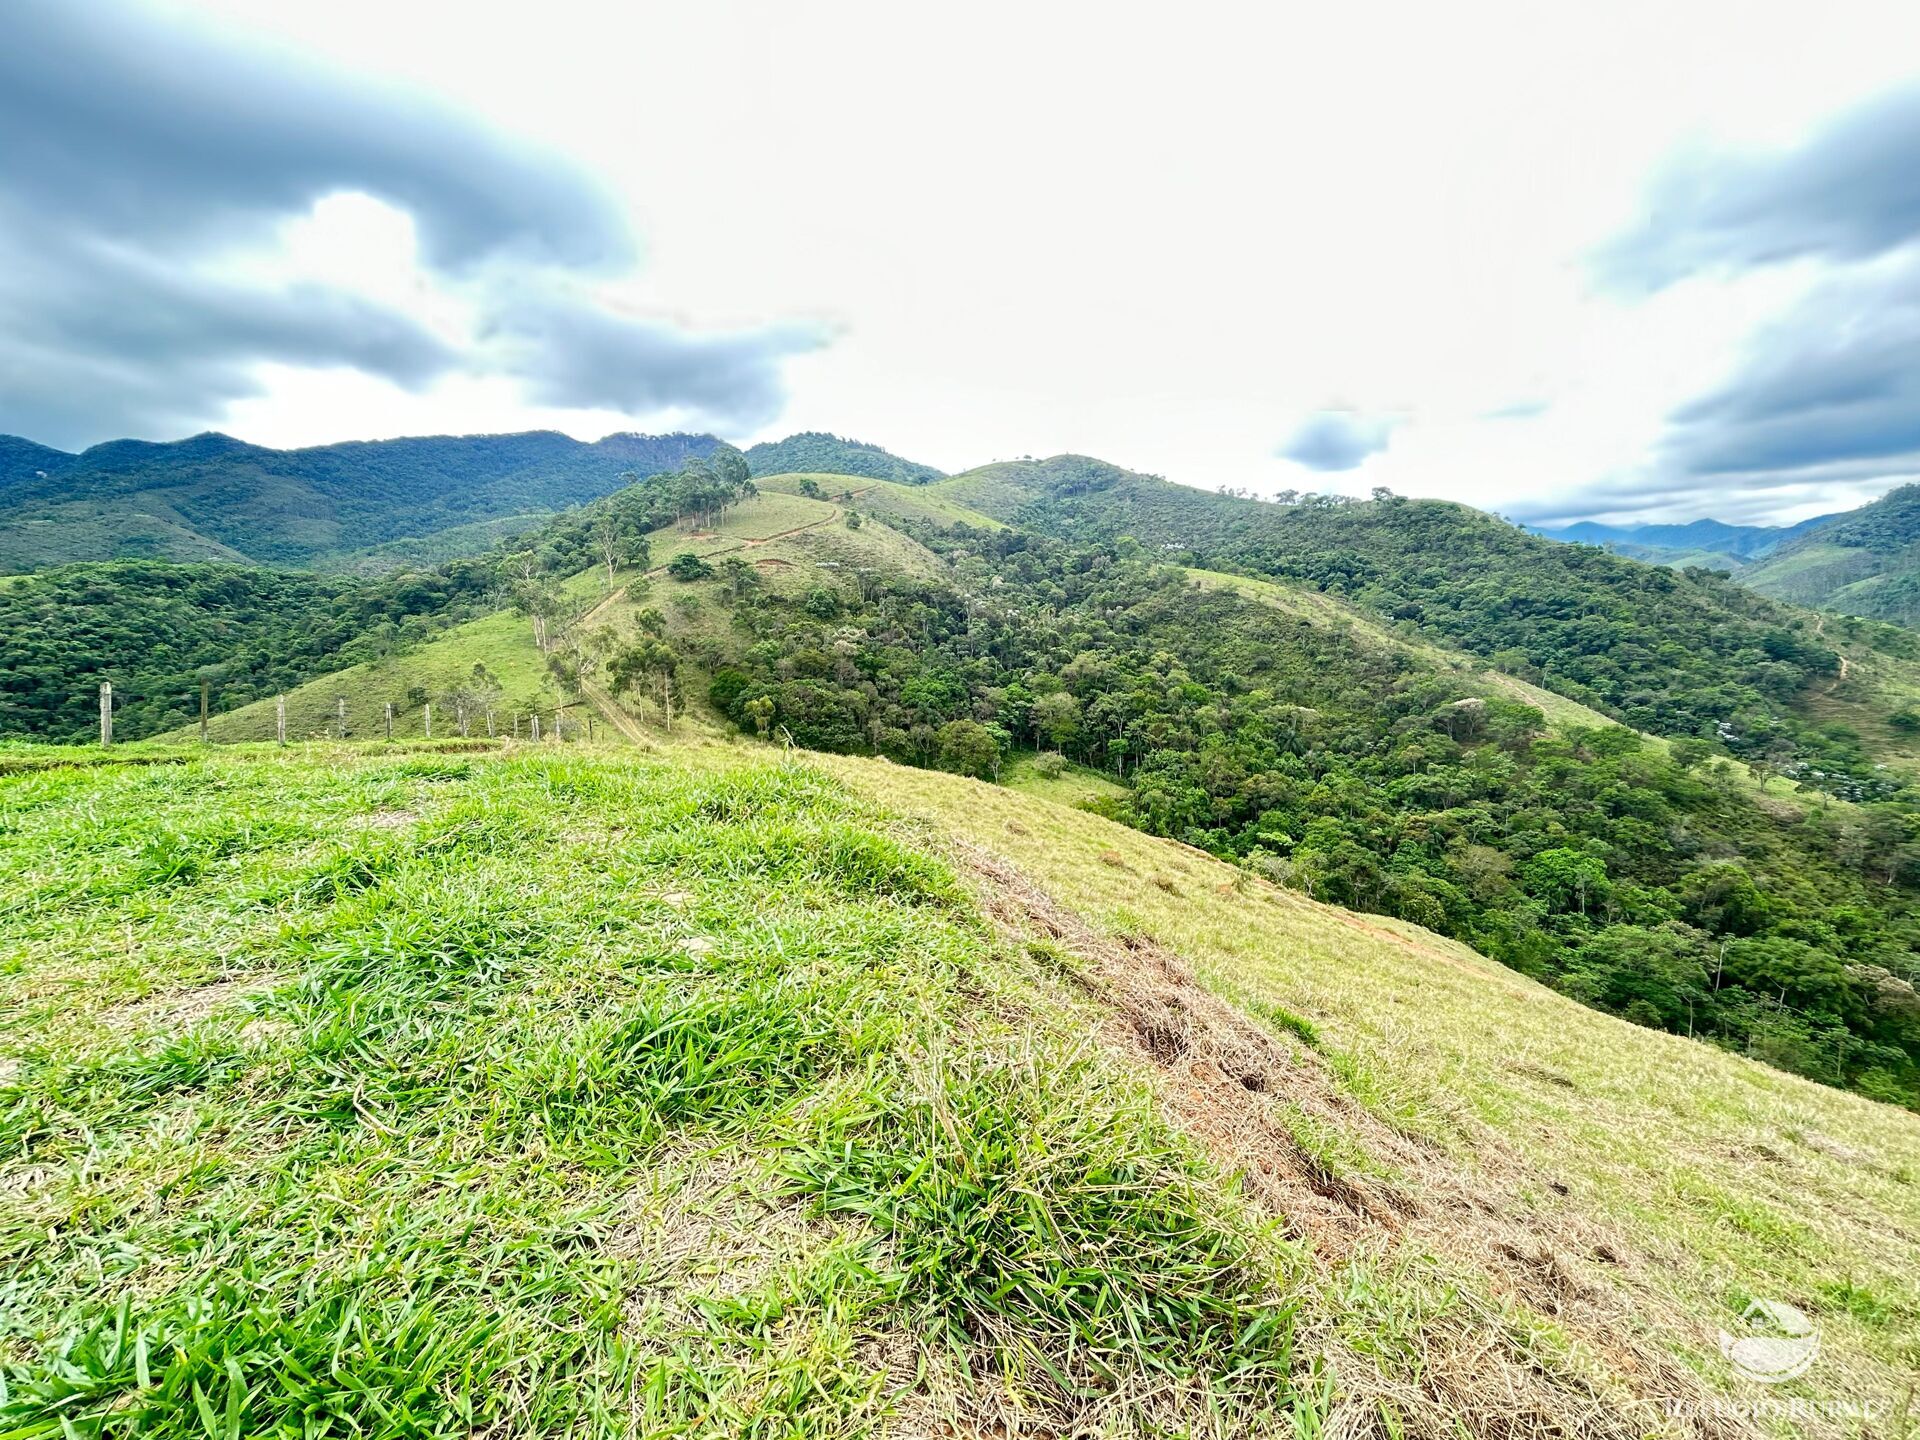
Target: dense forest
x,y
1685,654
814,452
156,629
1659,886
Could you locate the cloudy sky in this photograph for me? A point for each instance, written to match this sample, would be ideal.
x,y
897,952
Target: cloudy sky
x,y
1633,262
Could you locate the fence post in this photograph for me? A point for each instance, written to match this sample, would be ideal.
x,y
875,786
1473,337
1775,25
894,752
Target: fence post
x,y
280,719
341,711
203,711
106,712
428,708
389,719
535,732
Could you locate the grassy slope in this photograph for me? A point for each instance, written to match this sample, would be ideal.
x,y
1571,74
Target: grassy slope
x,y
934,504
758,1125
502,642
749,1127
1627,1171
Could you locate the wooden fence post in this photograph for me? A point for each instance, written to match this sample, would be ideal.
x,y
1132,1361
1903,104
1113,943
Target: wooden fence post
x,y
389,719
106,712
280,719
428,710
203,711
341,711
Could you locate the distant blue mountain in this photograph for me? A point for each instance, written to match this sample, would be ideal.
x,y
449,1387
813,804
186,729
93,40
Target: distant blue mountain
x,y
1740,542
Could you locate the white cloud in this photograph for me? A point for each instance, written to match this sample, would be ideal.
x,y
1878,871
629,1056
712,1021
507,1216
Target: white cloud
x,y
1156,236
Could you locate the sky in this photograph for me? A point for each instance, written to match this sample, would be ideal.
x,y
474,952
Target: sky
x,y
1639,262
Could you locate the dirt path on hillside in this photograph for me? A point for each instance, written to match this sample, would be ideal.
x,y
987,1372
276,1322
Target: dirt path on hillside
x,y
1263,1107
611,710
1846,668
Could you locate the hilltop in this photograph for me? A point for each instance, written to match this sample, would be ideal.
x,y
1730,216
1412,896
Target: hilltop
x,y
839,1097
813,452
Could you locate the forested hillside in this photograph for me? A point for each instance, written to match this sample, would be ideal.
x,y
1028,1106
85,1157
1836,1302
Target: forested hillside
x,y
1357,748
1866,562
813,452
1682,654
155,629
1643,880
213,497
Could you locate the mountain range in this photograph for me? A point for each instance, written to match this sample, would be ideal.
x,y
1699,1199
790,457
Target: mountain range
x,y
1696,537
377,506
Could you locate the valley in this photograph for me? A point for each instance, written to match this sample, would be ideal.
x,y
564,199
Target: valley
x,y
1456,1020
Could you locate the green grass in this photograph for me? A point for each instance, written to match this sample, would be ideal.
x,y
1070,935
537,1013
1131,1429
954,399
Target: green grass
x,y
569,1094
933,504
1657,1175
1075,785
502,642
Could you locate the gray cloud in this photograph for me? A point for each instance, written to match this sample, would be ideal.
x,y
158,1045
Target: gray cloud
x,y
135,149
93,333
120,124
1851,192
1836,382
573,352
1336,440
1824,405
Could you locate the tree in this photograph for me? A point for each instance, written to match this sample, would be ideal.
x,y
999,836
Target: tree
x,y
649,663
740,576
619,535
579,656
970,748
1566,879
760,710
1056,719
687,566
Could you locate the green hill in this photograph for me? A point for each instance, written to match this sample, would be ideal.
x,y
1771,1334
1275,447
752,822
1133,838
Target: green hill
x,y
1679,654
1866,563
714,1090
213,497
813,452
1304,730
991,975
